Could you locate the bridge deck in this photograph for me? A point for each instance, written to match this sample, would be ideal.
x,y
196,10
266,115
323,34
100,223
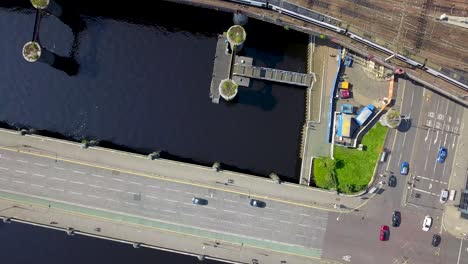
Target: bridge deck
x,y
268,74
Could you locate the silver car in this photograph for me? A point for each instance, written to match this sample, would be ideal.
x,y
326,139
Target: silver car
x,y
444,195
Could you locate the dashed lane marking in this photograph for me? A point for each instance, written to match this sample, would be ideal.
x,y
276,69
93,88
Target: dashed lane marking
x,y
93,196
133,204
266,218
229,211
2,168
191,215
96,175
117,179
23,172
57,179
20,182
112,200
153,186
207,218
247,214
209,207
37,185
40,164
59,168
172,190
286,222
152,197
169,211
38,175
172,201
3,179
136,183
79,172
115,190
55,189
22,161
95,186
429,179
75,182
230,201
423,191
76,193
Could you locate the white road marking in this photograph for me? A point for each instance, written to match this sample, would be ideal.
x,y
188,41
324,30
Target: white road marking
x,y
230,201
172,190
453,142
112,200
153,197
38,175
423,191
134,204
117,179
437,137
24,172
459,252
20,182
95,186
96,175
22,161
245,225
75,182
5,158
132,182
55,189
228,211
188,214
207,218
427,134
300,235
224,221
286,222
153,186
209,207
115,190
2,168
304,225
37,185
286,211
3,179
192,193
172,201
40,164
93,196
304,214
191,204
169,211
266,218
77,193
58,179
246,214
79,172
133,193
429,179
59,168
445,140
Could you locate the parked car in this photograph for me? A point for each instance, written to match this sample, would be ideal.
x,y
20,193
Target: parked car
x,y
442,155
199,201
427,223
443,195
404,168
257,203
392,181
396,218
436,240
384,230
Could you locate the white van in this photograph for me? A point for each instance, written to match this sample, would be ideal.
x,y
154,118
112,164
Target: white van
x,y
452,195
383,156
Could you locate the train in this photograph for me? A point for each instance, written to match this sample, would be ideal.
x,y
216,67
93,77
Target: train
x,y
279,6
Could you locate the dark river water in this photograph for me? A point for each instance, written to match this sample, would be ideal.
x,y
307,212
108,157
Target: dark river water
x,y
143,85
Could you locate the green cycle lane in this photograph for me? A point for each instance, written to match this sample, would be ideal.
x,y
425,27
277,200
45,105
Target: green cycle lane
x,y
149,223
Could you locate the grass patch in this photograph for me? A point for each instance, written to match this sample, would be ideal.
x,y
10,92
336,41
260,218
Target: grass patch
x,y
354,168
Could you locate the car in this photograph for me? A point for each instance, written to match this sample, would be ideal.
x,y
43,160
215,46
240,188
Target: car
x,y
199,201
427,223
384,231
443,195
404,168
442,155
396,218
392,181
436,240
257,203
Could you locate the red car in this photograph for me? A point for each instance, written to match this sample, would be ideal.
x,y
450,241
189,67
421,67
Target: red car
x,y
384,232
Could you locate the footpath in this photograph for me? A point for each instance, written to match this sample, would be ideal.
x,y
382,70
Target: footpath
x,y
452,221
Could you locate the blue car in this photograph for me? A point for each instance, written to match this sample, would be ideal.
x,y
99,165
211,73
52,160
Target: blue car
x,y
442,155
404,168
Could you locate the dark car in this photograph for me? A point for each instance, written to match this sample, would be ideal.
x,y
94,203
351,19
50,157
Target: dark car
x,y
396,218
436,240
257,203
199,201
392,181
404,168
442,155
384,230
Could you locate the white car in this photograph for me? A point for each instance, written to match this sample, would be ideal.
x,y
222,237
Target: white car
x,y
427,223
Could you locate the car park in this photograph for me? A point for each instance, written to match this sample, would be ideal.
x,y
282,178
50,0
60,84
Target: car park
x,y
199,201
427,223
443,195
442,155
257,203
436,240
404,168
396,218
384,232
392,181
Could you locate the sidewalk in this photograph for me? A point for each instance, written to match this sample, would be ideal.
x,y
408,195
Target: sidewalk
x,y
452,221
252,186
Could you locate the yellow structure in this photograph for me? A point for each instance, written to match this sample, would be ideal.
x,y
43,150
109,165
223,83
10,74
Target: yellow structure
x,y
344,85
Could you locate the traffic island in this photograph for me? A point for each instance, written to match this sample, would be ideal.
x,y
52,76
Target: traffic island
x,y
228,89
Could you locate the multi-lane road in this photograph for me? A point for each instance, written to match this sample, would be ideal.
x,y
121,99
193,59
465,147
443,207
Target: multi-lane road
x,y
225,213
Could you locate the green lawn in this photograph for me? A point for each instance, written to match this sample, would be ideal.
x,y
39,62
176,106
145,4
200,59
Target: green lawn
x,y
354,168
